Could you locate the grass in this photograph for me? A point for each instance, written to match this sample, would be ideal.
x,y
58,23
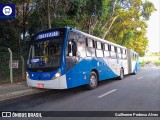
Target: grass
x,y
143,63
152,59
157,63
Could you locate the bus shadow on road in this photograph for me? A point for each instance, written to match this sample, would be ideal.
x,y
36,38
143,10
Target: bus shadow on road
x,y
53,95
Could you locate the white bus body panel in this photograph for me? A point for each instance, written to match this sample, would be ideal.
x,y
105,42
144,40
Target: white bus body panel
x,y
115,65
58,83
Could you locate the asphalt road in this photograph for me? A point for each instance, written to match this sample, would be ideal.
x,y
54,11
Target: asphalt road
x,y
139,92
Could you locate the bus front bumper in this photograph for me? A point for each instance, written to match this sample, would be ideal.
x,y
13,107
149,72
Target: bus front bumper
x,y
58,83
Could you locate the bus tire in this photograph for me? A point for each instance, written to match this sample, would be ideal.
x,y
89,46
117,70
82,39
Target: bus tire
x,y
121,74
134,73
93,81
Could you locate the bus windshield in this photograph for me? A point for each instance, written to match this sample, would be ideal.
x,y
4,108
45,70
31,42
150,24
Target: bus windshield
x,y
45,55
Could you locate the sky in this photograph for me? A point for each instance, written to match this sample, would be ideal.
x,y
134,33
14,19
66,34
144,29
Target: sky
x,y
153,30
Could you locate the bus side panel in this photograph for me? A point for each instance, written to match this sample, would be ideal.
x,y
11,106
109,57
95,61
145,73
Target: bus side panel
x,y
133,64
84,68
114,66
110,70
124,64
79,73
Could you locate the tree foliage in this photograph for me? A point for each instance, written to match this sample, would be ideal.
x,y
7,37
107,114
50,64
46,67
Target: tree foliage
x,y
129,29
119,21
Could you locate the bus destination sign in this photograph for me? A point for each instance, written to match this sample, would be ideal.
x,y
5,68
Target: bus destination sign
x,y
48,35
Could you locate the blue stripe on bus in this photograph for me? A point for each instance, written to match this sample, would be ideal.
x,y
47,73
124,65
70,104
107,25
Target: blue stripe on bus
x,y
136,68
75,76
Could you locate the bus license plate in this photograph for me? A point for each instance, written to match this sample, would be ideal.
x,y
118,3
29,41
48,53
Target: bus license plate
x,y
40,85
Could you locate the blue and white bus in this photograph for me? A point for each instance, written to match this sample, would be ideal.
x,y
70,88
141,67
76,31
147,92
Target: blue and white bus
x,y
63,58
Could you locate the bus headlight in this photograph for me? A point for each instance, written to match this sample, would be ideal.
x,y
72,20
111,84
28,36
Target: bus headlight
x,y
57,75
27,75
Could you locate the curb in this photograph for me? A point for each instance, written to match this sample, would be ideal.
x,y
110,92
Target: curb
x,y
20,94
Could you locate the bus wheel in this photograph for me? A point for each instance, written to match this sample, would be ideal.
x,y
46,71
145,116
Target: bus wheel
x,y
121,74
92,81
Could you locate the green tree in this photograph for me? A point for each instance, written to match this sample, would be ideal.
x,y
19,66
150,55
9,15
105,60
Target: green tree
x,y
119,21
129,28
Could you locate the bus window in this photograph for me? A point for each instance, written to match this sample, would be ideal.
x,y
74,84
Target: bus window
x,y
124,56
72,44
113,51
112,48
99,51
46,54
119,53
99,46
106,47
81,47
90,43
118,50
106,50
90,50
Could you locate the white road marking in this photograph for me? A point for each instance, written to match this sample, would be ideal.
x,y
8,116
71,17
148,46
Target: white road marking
x,y
140,78
106,93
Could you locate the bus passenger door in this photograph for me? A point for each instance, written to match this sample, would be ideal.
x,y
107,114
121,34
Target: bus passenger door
x,y
82,63
71,64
